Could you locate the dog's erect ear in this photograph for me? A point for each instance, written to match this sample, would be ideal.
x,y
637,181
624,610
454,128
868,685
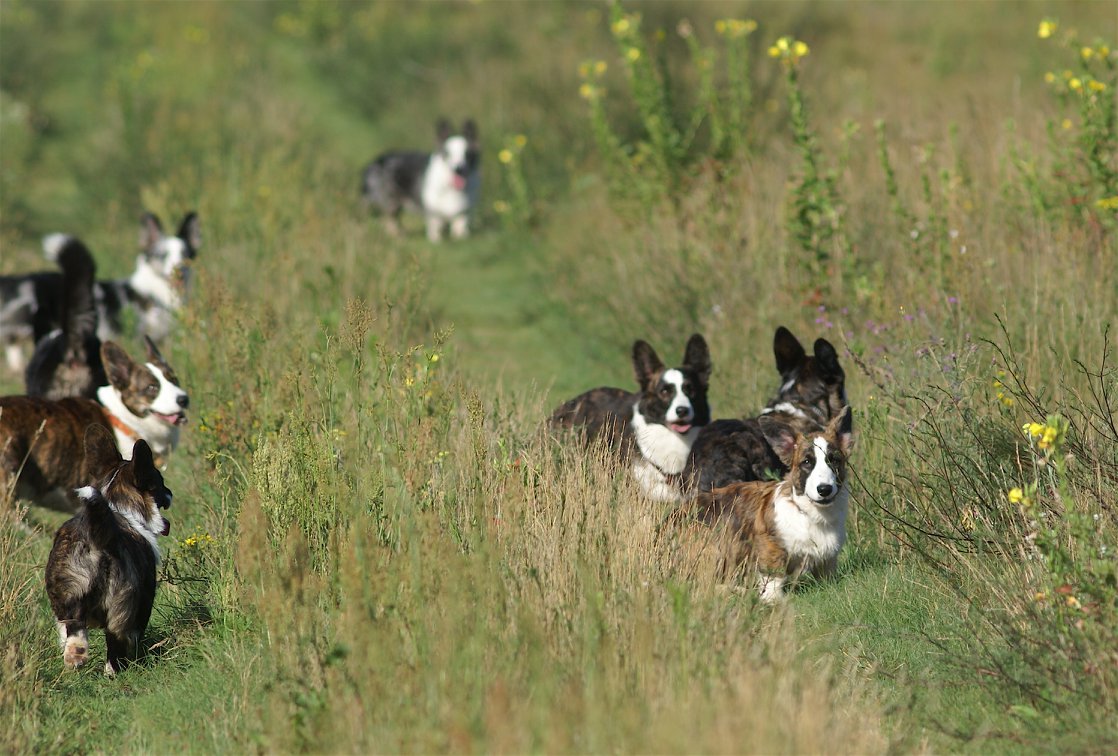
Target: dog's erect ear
x,y
190,231
143,466
118,365
469,130
443,130
790,354
101,453
697,358
827,358
151,231
646,363
781,438
153,351
841,429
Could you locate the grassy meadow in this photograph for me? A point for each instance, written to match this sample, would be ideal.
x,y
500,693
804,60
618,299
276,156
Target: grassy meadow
x,y
374,545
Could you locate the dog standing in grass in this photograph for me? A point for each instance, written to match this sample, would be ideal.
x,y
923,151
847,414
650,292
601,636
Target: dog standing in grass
x,y
443,185
101,571
779,529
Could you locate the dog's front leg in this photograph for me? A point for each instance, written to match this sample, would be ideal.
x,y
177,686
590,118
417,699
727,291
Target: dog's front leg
x,y
460,226
434,228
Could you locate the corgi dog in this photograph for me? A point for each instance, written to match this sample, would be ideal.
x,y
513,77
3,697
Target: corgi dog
x,y
32,305
784,528
101,572
41,440
443,185
67,361
652,428
812,393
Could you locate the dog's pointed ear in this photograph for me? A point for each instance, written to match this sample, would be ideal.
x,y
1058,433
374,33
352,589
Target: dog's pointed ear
x,y
789,353
442,130
190,231
646,363
153,351
151,231
780,437
147,475
827,359
469,130
841,429
101,453
697,358
118,365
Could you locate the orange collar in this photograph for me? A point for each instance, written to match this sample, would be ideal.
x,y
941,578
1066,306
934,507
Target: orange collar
x,y
119,424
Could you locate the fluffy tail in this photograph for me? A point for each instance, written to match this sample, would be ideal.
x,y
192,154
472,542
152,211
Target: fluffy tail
x,y
79,321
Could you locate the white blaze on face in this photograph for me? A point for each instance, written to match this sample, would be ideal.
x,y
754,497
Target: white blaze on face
x,y
821,474
680,413
166,402
174,252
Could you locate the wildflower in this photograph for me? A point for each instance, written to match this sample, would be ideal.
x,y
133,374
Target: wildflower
x,y
505,156
1040,596
633,54
434,357
1032,430
587,92
1096,85
1075,83
800,49
501,207
1087,53
621,25
720,26
1047,28
1016,496
520,140
1107,203
600,67
584,69
1073,602
409,381
1049,77
1066,124
1103,51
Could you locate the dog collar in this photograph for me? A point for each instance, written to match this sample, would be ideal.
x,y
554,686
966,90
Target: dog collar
x,y
120,425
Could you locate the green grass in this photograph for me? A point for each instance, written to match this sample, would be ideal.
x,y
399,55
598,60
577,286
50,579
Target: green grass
x,y
400,562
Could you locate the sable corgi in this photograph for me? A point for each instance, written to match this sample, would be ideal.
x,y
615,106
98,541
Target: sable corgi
x,y
67,362
41,440
781,529
32,304
442,185
811,394
101,570
653,428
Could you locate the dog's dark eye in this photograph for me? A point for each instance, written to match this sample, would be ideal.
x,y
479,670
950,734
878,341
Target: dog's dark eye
x,y
152,390
666,391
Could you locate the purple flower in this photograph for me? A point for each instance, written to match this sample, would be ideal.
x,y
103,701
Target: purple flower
x,y
952,300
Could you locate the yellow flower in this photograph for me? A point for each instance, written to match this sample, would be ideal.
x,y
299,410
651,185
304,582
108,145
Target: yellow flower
x,y
720,26
505,156
1066,123
621,25
1075,84
1096,85
587,92
784,44
1103,51
1067,74
1073,602
584,69
1087,53
520,140
1107,203
1016,496
501,207
800,49
1050,77
633,53
434,358
1047,28
1040,596
774,52
600,67
1033,430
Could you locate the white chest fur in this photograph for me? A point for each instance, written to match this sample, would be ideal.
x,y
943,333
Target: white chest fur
x,y
662,452
807,531
440,197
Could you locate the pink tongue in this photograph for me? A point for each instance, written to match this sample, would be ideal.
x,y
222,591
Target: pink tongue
x,y
459,182
680,428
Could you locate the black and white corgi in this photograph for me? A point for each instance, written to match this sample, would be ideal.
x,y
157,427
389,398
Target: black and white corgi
x,y
812,393
785,528
652,428
443,185
101,572
67,361
41,440
32,304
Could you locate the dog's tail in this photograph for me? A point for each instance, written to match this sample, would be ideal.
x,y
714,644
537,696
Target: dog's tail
x,y
75,343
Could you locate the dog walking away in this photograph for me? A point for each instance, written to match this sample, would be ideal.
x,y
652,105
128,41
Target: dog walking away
x,y
442,185
32,305
653,428
778,530
811,394
101,571
67,361
41,440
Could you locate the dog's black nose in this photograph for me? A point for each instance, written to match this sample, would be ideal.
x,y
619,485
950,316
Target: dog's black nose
x,y
183,400
682,411
825,489
462,170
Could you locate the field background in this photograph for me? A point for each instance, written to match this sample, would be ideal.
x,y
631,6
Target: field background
x,y
374,548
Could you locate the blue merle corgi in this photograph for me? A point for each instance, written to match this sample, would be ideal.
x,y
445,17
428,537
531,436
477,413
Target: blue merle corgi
x,y
812,393
443,185
654,427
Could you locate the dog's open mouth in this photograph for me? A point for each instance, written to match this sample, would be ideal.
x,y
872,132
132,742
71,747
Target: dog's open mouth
x,y
166,527
179,418
459,182
680,427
